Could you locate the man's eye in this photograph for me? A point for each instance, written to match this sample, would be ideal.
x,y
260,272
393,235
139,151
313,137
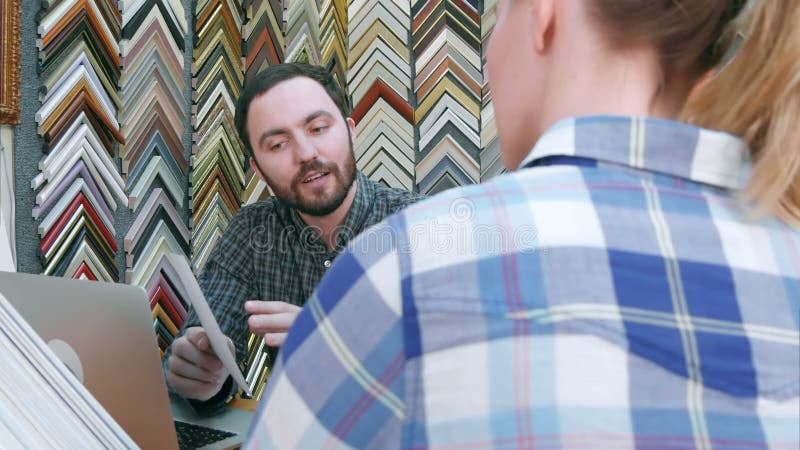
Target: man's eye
x,y
319,129
277,145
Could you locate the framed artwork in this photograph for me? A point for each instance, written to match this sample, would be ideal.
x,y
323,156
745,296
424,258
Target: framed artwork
x,y
10,16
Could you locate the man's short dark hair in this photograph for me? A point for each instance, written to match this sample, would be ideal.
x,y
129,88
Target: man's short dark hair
x,y
272,75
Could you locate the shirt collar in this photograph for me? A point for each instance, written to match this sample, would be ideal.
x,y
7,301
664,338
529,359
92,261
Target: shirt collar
x,y
353,221
657,145
359,211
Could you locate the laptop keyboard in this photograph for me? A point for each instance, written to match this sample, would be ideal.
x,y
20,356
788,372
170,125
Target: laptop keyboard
x,y
191,436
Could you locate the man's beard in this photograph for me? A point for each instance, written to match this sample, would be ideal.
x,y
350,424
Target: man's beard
x,y
324,203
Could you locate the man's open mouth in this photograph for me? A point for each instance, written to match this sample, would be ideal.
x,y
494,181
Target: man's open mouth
x,y
314,176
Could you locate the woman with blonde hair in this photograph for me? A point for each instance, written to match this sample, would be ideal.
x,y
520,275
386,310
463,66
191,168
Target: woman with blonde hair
x,y
633,283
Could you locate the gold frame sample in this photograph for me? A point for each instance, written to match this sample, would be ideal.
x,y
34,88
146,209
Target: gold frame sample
x,y
10,15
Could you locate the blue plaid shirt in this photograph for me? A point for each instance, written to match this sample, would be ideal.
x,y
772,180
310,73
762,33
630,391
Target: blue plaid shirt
x,y
611,294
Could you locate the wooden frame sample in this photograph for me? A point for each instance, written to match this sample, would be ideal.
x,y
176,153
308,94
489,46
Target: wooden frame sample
x,y
10,15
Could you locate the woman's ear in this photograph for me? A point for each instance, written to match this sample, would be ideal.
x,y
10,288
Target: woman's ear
x,y
700,84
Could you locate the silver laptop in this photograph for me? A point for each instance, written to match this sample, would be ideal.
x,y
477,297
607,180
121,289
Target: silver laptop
x,y
104,333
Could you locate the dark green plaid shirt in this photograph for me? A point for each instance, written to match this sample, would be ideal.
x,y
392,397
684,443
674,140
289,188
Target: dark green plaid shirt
x,y
269,253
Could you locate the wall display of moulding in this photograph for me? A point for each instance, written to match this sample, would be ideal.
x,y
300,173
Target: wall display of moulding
x,y
153,161
79,187
135,120
379,82
491,164
447,86
264,45
217,178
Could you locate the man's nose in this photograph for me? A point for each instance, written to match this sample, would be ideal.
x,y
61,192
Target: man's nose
x,y
306,149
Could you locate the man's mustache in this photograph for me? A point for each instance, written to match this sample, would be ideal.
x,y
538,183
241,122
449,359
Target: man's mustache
x,y
312,166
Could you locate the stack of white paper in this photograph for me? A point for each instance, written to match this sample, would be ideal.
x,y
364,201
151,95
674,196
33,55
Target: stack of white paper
x,y
42,405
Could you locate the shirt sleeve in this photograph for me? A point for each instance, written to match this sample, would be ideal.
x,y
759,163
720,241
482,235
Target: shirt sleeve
x,y
226,293
226,284
340,375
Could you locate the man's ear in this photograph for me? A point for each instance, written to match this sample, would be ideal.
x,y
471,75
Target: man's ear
x,y
544,19
352,125
254,168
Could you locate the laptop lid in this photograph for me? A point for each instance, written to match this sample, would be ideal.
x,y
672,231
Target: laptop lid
x,y
104,332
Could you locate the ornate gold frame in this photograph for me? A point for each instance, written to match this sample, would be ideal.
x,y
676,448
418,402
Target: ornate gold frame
x,y
10,16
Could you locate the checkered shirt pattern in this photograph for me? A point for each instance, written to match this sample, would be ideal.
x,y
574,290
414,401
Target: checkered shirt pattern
x,y
269,253
610,294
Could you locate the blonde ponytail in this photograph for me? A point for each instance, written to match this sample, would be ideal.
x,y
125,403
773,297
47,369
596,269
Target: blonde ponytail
x,y
757,96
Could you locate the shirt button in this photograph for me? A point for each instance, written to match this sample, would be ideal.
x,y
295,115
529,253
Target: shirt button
x,y
327,263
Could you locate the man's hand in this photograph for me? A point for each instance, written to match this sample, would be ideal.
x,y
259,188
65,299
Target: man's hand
x,y
194,370
271,319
